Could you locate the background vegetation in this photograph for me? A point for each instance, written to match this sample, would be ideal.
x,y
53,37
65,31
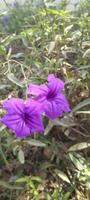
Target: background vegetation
x,y
36,41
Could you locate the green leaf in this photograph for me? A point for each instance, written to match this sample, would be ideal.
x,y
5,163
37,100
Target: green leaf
x,y
2,50
25,43
36,178
68,28
9,186
23,179
87,54
79,146
63,13
21,156
13,79
67,196
86,44
83,67
83,112
46,165
3,87
2,128
54,11
78,161
65,122
37,143
28,179
49,127
17,55
76,35
62,175
51,47
81,105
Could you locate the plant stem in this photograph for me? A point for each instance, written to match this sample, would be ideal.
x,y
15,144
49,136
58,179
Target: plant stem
x,y
3,156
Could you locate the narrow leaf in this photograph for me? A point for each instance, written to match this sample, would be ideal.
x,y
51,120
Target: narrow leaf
x,y
9,186
21,156
37,143
13,79
62,175
87,54
67,196
51,47
78,161
2,128
83,67
81,105
79,146
64,122
83,112
49,127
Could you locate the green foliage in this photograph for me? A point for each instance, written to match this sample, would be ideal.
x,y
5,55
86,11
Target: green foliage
x,y
84,6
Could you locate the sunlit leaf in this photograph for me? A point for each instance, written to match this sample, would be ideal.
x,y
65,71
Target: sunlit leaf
x,y
51,47
63,13
68,28
17,55
83,112
34,142
49,127
2,50
78,161
62,175
76,34
21,156
79,146
2,128
65,122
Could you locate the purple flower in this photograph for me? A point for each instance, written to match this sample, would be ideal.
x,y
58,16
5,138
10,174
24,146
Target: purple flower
x,y
5,19
23,118
51,97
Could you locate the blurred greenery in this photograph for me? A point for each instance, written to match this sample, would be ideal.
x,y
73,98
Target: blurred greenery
x,y
36,41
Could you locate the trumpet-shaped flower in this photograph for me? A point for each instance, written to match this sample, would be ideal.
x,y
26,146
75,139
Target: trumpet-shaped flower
x,y
51,97
24,118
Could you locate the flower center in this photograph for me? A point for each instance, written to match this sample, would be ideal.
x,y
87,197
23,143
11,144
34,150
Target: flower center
x,y
50,96
26,117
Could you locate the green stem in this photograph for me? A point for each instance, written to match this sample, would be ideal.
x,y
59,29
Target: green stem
x,y
3,156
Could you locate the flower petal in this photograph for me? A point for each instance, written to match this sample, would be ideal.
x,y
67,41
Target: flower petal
x,y
33,106
51,110
55,108
36,124
22,130
37,89
11,121
14,105
16,124
55,84
62,102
